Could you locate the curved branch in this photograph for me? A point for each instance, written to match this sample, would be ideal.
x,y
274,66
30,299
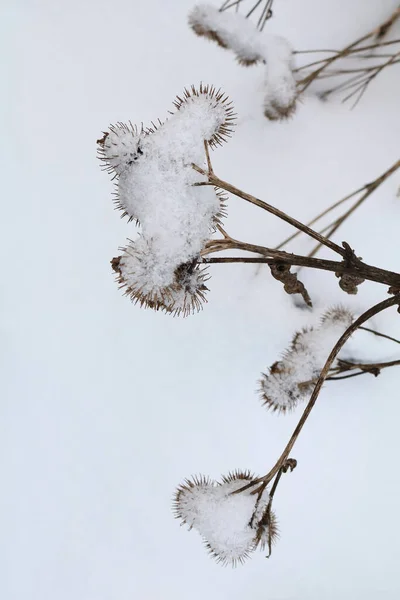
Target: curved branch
x,y
374,310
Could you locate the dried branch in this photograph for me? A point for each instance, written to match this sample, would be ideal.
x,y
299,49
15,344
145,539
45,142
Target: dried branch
x,y
366,74
379,334
263,7
350,266
371,312
367,190
217,182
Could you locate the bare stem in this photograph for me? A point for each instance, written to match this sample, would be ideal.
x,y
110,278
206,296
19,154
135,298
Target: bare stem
x,y
374,310
369,189
216,181
379,334
376,34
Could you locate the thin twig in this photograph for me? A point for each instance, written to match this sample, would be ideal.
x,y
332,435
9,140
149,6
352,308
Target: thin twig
x,y
216,181
349,50
379,334
369,188
318,217
362,270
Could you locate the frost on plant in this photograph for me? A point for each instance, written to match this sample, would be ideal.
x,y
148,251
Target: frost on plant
x,y
232,523
157,187
233,31
292,379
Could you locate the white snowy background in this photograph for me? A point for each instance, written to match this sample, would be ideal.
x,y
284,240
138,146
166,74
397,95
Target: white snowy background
x,y
105,407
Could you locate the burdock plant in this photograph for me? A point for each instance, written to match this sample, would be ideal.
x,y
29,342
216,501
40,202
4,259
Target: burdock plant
x,y
165,183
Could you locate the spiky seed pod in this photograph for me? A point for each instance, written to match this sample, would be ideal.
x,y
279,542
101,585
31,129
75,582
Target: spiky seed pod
x,y
142,274
137,273
338,314
275,392
187,293
222,115
228,519
120,147
291,380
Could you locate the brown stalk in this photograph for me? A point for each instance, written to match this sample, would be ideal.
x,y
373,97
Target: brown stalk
x,y
216,181
379,334
369,189
374,310
353,48
365,75
350,265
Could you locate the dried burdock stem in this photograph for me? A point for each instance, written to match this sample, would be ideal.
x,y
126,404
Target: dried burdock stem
x,y
379,334
384,28
363,270
375,34
369,189
373,368
344,366
354,267
265,5
363,85
216,181
371,312
320,215
228,5
289,465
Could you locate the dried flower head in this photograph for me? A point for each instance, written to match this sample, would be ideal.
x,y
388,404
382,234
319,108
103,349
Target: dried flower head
x,y
158,188
155,284
291,380
221,115
229,30
231,522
